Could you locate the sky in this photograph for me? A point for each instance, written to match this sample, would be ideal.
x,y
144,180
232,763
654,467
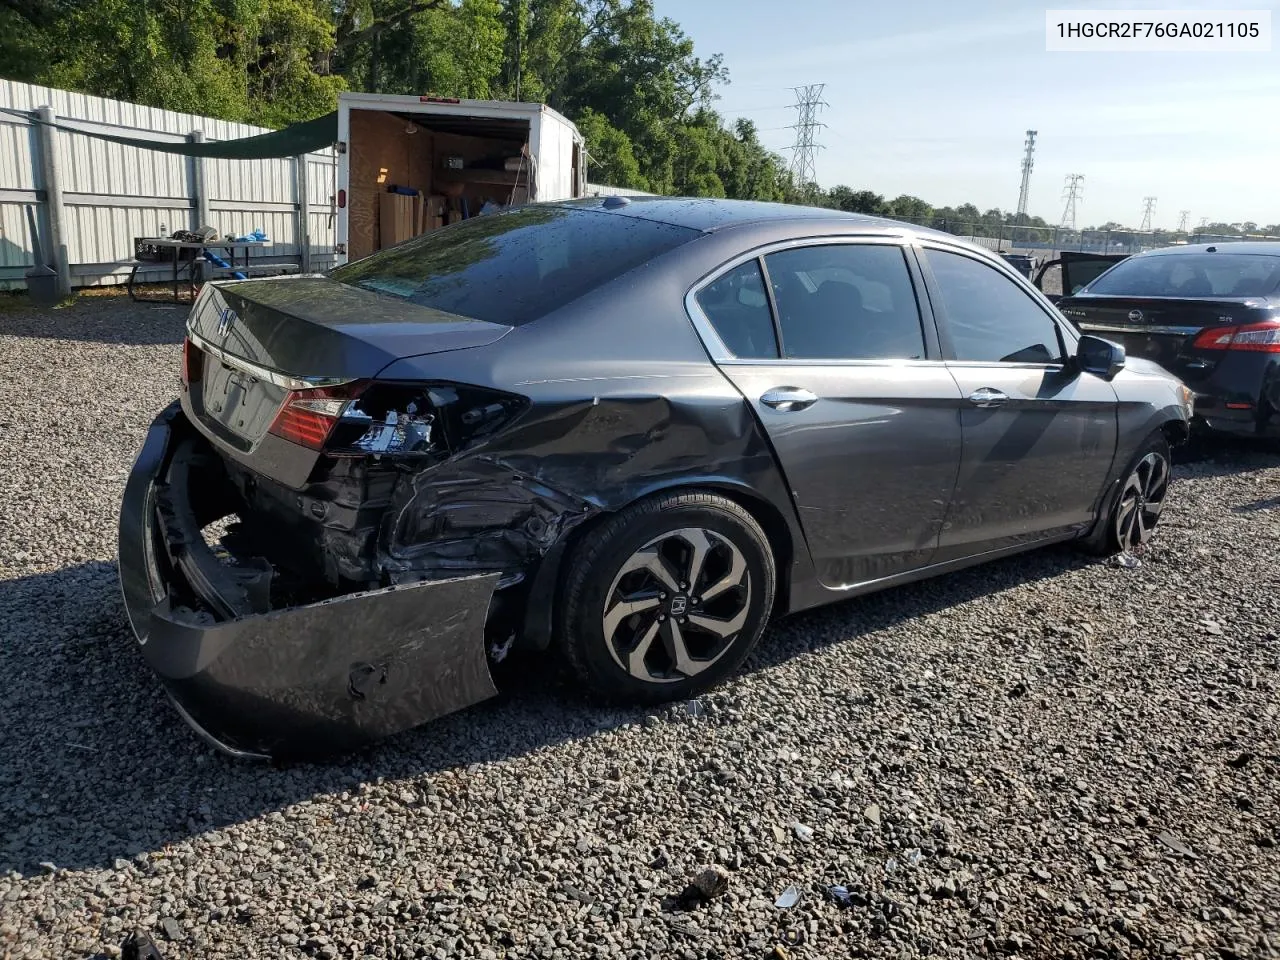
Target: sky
x,y
934,97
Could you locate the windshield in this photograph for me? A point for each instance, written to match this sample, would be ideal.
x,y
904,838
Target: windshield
x,y
1192,275
514,266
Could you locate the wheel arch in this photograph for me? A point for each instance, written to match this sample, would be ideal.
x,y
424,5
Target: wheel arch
x,y
1176,430
543,595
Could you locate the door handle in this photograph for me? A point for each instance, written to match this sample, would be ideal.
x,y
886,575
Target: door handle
x,y
788,399
988,397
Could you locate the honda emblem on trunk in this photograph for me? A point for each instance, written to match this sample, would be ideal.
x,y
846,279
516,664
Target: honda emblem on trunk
x,y
1135,316
225,320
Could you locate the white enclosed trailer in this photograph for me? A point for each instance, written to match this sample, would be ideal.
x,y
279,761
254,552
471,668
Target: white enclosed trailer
x,y
407,165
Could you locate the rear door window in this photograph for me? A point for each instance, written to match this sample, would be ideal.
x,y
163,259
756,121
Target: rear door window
x,y
846,301
517,265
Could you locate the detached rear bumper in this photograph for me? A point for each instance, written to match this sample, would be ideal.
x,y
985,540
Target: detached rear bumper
x,y
306,680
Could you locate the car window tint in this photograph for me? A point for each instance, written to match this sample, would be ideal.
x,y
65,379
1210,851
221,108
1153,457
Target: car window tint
x,y
989,316
846,302
738,308
517,265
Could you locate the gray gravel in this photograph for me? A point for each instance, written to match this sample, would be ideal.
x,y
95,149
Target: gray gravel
x,y
1046,757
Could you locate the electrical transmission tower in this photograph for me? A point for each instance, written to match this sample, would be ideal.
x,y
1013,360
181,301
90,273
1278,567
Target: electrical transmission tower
x,y
1184,219
1071,192
1204,222
804,153
1148,208
1028,159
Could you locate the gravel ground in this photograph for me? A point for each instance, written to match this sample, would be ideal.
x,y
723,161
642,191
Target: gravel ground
x,y
1045,757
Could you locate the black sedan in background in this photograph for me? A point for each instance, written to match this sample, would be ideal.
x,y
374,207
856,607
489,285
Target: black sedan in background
x,y
1209,314
629,430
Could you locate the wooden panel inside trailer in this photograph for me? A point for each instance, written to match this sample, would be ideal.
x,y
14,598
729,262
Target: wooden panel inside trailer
x,y
411,150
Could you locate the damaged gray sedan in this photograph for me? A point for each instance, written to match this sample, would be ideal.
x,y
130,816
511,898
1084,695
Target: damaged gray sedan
x,y
631,430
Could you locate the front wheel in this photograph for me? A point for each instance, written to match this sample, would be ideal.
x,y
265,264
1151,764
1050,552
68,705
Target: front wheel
x,y
1135,509
667,598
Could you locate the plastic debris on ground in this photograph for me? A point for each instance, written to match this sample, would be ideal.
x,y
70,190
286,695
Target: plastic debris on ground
x,y
914,858
891,865
788,898
840,894
694,708
1126,561
802,832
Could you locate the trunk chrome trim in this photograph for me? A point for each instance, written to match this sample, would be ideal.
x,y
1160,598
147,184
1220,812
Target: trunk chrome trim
x,y
264,373
1146,328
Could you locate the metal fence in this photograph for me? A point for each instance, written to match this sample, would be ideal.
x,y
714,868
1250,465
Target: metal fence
x,y
1050,241
92,196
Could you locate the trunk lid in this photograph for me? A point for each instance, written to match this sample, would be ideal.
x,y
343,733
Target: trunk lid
x,y
1161,329
261,340
317,327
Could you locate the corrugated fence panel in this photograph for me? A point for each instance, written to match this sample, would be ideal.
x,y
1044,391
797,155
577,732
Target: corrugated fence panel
x,y
17,162
15,241
89,165
113,193
321,193
280,228
104,235
321,238
252,181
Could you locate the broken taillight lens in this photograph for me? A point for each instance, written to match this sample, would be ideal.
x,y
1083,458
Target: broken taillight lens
x,y
370,418
1258,337
307,417
192,363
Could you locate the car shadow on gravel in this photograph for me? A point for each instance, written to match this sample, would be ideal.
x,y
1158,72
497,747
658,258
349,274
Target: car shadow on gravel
x,y
112,319
95,765
1223,456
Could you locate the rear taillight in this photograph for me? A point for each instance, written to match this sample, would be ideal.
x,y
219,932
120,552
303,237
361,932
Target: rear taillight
x,y
1258,337
366,418
307,417
192,363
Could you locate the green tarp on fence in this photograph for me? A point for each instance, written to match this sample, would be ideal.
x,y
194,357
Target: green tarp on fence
x,y
305,137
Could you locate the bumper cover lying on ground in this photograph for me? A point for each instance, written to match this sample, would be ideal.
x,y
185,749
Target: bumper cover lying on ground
x,y
305,680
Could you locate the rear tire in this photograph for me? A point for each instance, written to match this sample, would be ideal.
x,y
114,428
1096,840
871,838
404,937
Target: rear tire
x,y
1134,508
667,598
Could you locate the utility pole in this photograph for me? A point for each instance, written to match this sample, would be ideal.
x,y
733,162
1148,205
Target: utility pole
x,y
804,152
1148,208
519,37
1028,160
1071,192
1184,219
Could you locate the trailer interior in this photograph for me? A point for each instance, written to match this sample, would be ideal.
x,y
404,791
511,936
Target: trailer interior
x,y
415,172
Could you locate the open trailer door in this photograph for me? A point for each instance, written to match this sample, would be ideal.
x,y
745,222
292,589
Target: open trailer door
x,y
1071,271
408,165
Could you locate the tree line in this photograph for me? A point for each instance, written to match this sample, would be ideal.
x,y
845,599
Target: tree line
x,y
633,83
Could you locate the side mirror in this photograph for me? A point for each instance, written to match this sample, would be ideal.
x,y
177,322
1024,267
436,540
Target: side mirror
x,y
1100,357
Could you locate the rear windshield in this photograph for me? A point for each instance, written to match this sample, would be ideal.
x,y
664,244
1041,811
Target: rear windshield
x,y
1192,275
514,266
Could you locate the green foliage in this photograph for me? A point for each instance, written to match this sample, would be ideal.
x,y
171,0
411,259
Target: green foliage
x,y
633,83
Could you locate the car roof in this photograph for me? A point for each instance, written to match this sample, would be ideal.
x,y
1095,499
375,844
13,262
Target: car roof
x,y
713,214
1269,248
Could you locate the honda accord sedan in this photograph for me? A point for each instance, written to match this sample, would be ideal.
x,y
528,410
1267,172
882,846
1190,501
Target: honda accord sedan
x,y
630,430
1210,314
